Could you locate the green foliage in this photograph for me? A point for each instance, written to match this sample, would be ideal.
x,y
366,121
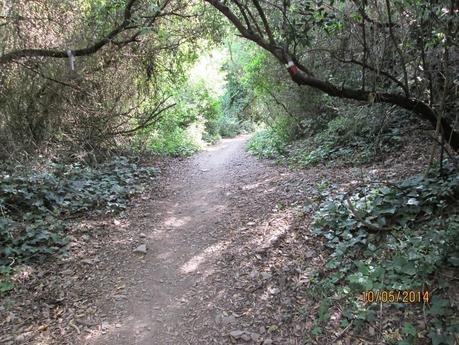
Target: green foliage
x,y
35,204
272,142
6,284
201,114
176,142
228,127
181,130
237,112
266,144
416,237
112,92
349,138
212,132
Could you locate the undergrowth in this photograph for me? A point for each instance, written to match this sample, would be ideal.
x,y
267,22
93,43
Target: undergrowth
x,y
267,144
37,204
177,143
349,138
393,237
272,142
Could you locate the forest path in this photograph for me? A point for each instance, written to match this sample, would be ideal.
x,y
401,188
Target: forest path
x,y
188,229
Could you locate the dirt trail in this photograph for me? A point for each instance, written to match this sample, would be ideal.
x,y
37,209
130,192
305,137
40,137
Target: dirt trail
x,y
186,232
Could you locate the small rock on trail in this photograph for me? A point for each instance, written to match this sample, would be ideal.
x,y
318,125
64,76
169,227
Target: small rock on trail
x,y
142,249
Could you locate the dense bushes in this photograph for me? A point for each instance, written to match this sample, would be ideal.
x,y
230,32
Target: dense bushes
x,y
210,103
347,138
175,142
266,144
397,237
271,142
98,102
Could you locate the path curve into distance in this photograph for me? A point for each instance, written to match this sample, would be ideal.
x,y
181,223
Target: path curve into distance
x,y
206,215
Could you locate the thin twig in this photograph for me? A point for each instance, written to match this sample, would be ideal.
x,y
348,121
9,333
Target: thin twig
x,y
370,227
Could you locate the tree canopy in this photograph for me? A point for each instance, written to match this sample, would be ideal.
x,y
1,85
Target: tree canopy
x,y
402,53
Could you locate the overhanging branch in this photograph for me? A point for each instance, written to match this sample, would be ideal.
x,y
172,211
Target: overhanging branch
x,y
62,54
303,76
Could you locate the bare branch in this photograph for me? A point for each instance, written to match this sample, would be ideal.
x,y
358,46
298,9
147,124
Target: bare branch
x,y
373,69
244,15
154,115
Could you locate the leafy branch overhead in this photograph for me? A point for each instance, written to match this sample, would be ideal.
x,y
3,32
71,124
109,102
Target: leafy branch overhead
x,y
130,28
403,54
302,32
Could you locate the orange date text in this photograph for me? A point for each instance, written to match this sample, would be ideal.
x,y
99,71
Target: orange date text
x,y
395,296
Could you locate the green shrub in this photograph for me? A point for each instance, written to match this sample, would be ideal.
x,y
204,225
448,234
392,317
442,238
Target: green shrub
x,y
272,142
392,237
228,126
266,144
178,142
212,133
350,138
286,128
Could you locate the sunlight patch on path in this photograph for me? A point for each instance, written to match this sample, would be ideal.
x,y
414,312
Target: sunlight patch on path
x,y
176,222
207,254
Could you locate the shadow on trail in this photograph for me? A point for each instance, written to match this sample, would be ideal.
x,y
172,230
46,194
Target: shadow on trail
x,y
222,209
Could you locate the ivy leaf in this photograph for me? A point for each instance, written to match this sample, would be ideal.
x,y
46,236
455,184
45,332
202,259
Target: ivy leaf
x,y
409,329
439,307
5,286
454,260
412,201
